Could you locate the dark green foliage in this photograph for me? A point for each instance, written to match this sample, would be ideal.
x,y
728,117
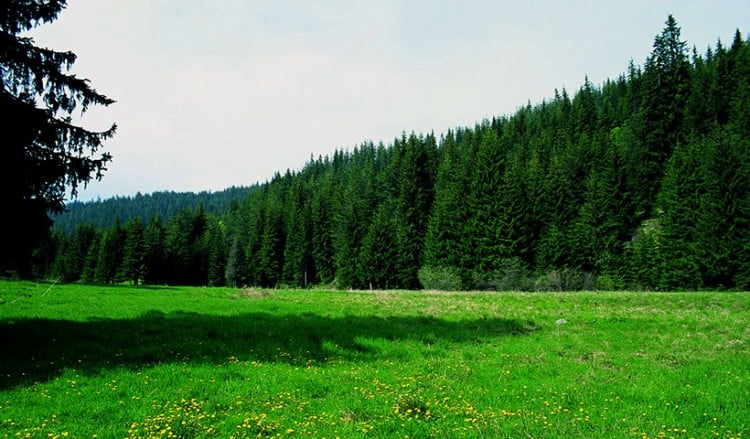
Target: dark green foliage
x,y
643,182
153,246
443,245
353,208
72,252
109,256
381,264
186,248
703,205
214,240
43,154
321,222
485,204
270,256
234,272
665,92
101,213
134,251
414,171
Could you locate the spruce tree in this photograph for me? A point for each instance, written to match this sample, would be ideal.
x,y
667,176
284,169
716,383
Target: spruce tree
x,y
110,255
415,174
298,269
665,90
153,248
215,243
134,257
679,200
321,218
353,213
379,255
443,246
270,256
47,152
485,203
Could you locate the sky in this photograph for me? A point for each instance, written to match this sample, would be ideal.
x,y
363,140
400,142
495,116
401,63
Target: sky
x,y
218,93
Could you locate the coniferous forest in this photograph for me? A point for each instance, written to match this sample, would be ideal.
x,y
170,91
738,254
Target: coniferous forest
x,y
642,182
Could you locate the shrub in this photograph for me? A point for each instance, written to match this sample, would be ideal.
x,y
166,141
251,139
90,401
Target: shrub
x,y
610,282
440,278
511,276
565,279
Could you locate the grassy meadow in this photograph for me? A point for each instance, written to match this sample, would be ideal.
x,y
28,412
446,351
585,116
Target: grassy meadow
x,y
140,362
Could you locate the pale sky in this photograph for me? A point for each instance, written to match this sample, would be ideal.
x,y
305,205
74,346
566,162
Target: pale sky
x,y
219,93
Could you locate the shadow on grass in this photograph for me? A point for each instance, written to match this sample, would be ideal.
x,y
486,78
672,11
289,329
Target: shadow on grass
x,y
35,350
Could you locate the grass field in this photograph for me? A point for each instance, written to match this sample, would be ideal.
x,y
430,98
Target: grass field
x,y
136,362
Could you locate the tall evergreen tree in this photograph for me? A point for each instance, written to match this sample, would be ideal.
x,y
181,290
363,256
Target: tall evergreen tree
x,y
214,240
665,90
354,210
443,242
235,266
46,151
322,217
415,176
71,254
134,257
298,269
110,254
153,247
379,255
270,256
485,202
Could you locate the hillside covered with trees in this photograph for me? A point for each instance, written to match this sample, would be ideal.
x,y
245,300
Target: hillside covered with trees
x,y
640,182
102,213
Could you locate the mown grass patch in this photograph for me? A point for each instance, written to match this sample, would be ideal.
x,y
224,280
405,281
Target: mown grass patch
x,y
88,361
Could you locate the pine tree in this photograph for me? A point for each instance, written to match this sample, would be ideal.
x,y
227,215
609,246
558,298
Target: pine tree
x,y
354,208
270,256
443,242
185,248
71,255
678,201
379,254
597,233
133,260
415,176
110,254
321,211
739,111
665,91
721,219
88,274
485,202
215,242
153,247
235,266
46,151
298,268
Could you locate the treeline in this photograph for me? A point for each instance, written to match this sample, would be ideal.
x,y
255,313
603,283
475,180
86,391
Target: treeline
x,y
103,213
642,182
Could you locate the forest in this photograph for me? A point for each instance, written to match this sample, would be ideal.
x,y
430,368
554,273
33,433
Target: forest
x,y
642,182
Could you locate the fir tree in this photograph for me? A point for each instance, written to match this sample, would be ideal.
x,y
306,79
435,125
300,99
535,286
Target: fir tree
x,y
46,151
134,257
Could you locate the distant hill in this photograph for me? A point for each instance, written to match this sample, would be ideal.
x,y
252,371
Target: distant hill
x,y
102,213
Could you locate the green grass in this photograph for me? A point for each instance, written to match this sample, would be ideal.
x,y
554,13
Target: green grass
x,y
126,362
